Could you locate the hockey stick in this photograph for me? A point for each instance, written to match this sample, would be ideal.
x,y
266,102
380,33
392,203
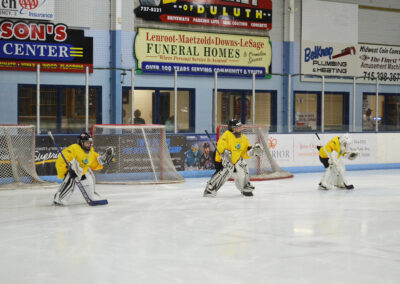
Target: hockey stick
x,y
212,141
78,182
339,172
318,147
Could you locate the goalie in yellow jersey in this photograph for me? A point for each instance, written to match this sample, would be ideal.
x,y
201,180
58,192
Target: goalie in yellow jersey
x,y
82,159
232,148
331,156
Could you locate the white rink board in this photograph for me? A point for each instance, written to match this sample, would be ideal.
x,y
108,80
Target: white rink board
x,y
296,150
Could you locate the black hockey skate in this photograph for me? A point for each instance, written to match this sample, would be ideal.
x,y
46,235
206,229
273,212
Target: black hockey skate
x,y
247,193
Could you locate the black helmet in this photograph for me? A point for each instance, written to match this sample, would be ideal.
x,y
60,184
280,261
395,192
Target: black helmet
x,y
83,138
233,123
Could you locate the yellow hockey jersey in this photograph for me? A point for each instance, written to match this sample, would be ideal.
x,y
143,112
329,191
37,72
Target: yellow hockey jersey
x,y
85,160
333,145
237,146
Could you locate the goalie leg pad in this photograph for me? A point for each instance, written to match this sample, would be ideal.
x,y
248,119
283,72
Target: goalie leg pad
x,y
340,180
241,176
327,178
339,169
217,180
88,183
64,191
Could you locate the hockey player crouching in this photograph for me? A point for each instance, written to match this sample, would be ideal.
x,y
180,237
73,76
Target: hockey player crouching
x,y
82,160
234,148
331,156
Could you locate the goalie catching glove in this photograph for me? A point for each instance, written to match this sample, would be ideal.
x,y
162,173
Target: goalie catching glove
x,y
106,157
256,150
352,155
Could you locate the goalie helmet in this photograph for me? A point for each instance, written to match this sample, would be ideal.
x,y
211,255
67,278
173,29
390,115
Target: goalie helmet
x,y
233,123
345,140
85,137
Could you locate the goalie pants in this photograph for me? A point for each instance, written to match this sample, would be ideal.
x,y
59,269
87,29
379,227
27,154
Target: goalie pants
x,y
69,186
239,172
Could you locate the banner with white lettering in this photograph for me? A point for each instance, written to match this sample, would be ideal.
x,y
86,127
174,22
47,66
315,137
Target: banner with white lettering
x,y
55,47
244,14
27,9
195,53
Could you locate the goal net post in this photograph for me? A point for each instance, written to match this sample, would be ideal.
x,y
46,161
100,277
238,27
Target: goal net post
x,y
17,157
263,167
141,154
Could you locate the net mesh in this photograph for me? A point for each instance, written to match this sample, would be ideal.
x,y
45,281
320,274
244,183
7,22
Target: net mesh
x,y
263,167
141,154
17,157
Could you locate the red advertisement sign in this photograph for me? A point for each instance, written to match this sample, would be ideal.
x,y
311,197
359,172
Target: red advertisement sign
x,y
55,47
246,14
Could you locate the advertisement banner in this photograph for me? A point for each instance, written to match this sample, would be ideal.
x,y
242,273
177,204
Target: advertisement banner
x,y
55,47
365,61
306,153
28,9
176,145
281,148
380,62
244,14
329,59
301,150
199,153
164,51
46,153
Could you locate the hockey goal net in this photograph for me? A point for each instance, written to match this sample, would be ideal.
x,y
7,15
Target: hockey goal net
x,y
141,154
263,167
17,157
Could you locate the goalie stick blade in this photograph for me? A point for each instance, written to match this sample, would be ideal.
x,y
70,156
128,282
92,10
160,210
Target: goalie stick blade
x,y
98,202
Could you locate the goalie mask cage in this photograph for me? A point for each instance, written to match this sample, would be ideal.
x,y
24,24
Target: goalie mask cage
x,y
17,157
263,167
141,154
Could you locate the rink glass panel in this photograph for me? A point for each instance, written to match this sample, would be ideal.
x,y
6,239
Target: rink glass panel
x,y
73,109
157,107
48,107
388,118
239,105
62,109
307,111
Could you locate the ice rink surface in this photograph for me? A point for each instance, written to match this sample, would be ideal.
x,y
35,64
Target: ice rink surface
x,y
289,232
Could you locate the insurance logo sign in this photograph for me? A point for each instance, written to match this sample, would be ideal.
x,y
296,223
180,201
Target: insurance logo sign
x,y
246,14
164,51
27,9
55,47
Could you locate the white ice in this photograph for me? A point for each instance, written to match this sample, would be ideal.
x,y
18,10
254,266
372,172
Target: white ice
x,y
289,232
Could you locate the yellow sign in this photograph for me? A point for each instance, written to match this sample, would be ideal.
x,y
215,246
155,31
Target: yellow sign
x,y
194,52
